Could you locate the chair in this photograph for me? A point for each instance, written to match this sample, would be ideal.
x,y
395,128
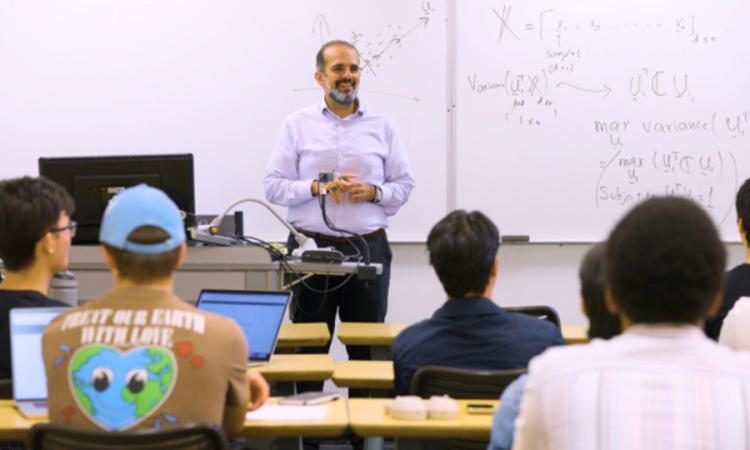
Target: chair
x,y
543,312
462,383
6,388
186,437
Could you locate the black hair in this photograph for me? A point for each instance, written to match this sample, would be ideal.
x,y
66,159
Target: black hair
x,y
742,205
665,262
29,208
602,323
320,61
463,247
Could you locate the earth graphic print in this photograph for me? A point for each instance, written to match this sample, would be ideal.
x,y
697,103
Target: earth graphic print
x,y
119,389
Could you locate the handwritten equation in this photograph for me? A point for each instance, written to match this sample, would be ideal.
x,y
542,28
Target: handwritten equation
x,y
709,178
608,103
552,23
720,125
561,60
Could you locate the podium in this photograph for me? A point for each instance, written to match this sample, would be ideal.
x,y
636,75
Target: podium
x,y
207,267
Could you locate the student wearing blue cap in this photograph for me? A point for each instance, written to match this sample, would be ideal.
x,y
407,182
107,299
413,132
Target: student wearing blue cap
x,y
136,357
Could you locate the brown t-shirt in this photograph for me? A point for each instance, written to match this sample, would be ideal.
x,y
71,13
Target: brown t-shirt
x,y
140,357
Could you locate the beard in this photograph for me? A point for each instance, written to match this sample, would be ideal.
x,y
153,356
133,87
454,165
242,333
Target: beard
x,y
343,98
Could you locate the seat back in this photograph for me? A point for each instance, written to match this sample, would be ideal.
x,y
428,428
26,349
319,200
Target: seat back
x,y
462,383
186,437
6,388
547,313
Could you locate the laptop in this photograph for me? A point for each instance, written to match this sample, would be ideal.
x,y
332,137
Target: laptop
x,y
27,364
258,313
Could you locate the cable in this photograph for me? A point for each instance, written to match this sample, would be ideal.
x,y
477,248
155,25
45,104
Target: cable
x,y
366,248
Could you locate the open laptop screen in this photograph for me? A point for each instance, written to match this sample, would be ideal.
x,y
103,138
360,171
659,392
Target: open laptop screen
x,y
27,364
258,313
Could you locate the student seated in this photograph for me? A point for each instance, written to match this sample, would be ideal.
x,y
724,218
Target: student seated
x,y
35,236
140,357
661,384
603,325
737,281
469,331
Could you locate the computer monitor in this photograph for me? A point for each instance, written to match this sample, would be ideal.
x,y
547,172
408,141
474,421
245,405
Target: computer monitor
x,y
93,180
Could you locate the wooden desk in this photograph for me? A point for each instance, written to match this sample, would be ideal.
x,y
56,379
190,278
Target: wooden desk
x,y
297,367
14,427
575,334
376,334
293,335
333,425
377,375
367,417
383,334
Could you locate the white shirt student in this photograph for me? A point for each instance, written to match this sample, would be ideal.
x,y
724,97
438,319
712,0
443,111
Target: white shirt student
x,y
735,332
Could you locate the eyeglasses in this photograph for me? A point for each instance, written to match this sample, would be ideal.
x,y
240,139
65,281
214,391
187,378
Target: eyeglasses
x,y
72,226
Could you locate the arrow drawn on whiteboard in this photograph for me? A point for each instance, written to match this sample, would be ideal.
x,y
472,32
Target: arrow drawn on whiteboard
x,y
395,40
606,89
322,26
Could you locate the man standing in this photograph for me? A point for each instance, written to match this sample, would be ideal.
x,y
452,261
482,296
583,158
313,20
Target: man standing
x,y
661,384
371,180
136,357
35,236
470,331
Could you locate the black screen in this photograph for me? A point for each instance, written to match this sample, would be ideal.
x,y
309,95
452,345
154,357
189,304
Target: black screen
x,y
92,181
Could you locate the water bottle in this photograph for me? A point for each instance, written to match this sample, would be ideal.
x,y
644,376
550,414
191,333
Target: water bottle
x,y
64,287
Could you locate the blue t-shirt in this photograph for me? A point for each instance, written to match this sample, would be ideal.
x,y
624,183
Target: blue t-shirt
x,y
503,424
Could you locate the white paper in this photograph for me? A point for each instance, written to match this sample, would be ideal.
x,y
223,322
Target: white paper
x,y
287,413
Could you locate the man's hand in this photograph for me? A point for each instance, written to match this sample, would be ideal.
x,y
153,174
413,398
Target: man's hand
x,y
360,192
259,390
338,188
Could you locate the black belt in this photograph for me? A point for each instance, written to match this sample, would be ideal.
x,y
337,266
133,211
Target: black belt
x,y
341,240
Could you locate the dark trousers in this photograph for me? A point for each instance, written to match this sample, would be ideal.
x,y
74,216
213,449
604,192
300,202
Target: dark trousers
x,y
356,301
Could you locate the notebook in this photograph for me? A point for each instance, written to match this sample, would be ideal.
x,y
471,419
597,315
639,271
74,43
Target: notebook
x,y
258,313
27,364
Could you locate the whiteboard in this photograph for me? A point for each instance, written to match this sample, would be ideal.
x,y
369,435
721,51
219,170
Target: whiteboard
x,y
568,113
216,79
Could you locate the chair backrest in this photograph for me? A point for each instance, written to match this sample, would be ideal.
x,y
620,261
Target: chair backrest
x,y
186,437
6,388
543,312
462,383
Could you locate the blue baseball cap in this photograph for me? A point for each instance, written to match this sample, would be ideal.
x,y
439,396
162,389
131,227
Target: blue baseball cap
x,y
138,206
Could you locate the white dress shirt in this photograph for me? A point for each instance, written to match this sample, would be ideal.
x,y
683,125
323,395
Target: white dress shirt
x,y
315,140
735,332
653,387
